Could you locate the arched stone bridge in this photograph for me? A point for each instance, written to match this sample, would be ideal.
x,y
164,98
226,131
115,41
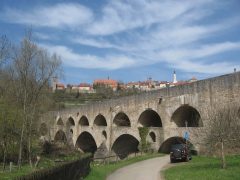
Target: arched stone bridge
x,y
165,112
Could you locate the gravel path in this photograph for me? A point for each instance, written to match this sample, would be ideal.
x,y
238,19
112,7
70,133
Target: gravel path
x,y
143,170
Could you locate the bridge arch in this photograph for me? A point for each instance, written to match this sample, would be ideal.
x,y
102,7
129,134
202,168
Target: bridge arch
x,y
104,135
121,119
125,145
60,122
150,118
166,145
86,142
83,121
43,130
70,122
60,136
152,136
187,114
100,120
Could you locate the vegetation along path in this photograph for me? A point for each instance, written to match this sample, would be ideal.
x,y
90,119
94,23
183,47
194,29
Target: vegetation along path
x,y
144,170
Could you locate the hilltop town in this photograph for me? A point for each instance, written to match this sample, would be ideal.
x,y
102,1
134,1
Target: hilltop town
x,y
114,85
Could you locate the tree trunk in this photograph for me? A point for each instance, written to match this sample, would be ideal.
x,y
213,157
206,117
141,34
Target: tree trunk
x,y
223,155
4,158
20,147
30,137
29,148
37,162
23,124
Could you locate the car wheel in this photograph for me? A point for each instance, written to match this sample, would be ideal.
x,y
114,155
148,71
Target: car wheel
x,y
172,160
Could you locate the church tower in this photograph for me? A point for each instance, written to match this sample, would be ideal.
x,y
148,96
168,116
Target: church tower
x,y
174,77
54,83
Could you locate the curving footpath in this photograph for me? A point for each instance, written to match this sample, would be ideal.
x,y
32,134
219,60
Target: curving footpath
x,y
143,170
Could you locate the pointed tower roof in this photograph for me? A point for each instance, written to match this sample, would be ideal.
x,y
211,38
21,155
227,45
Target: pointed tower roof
x,y
174,76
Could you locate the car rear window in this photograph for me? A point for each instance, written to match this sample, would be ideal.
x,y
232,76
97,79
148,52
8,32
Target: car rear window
x,y
177,146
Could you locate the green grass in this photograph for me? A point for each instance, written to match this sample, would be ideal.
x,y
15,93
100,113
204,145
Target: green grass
x,y
45,162
202,168
102,171
6,175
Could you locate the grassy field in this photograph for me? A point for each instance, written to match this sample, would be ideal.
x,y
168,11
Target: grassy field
x,y
202,168
102,171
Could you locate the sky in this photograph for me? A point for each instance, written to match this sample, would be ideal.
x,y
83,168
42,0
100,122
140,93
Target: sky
x,y
131,40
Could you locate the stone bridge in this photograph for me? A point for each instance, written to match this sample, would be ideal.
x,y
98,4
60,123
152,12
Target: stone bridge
x,y
167,113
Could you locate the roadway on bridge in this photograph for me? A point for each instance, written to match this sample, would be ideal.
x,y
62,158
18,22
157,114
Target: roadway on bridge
x,y
143,170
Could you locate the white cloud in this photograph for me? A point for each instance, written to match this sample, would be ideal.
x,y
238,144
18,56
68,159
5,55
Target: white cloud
x,y
198,59
198,52
144,32
183,59
60,16
118,16
44,36
207,68
99,43
70,58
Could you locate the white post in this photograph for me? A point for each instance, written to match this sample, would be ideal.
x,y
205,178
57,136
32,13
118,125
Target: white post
x,y
10,167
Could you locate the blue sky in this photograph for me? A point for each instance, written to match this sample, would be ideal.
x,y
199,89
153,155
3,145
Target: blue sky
x,y
131,40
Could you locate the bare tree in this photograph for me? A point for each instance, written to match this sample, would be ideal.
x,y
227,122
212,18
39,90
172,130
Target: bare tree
x,y
221,134
4,55
31,73
4,49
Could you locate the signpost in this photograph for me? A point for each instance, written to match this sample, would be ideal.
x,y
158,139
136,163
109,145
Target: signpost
x,y
186,135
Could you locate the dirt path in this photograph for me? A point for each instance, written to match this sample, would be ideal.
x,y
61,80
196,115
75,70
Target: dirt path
x,y
143,170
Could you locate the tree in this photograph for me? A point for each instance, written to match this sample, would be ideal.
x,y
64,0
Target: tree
x,y
25,74
9,132
31,72
4,54
222,131
104,90
4,49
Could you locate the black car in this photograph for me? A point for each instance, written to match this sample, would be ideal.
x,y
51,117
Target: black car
x,y
180,152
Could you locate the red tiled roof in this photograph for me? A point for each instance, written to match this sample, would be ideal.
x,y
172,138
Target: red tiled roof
x,y
105,82
84,85
60,85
